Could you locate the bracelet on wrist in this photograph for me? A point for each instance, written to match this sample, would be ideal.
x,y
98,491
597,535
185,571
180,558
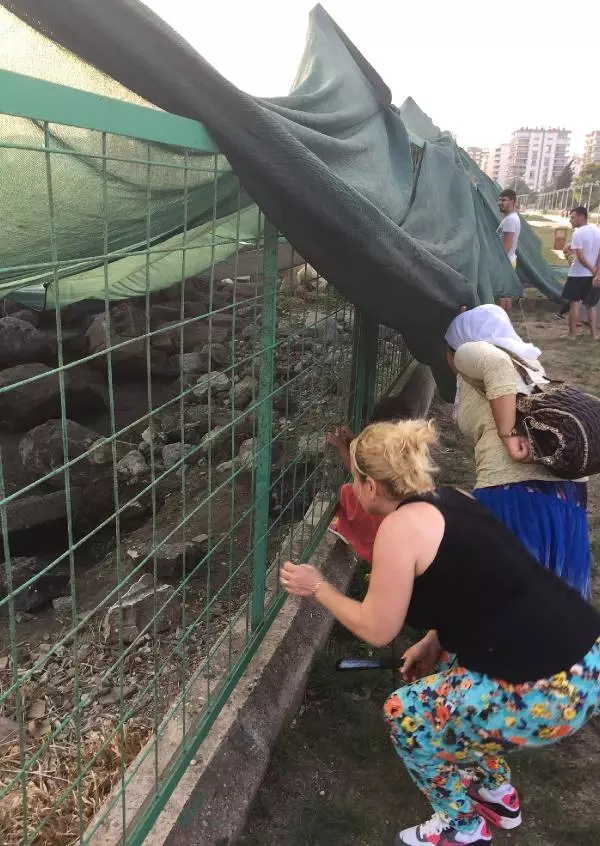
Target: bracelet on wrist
x,y
512,434
316,587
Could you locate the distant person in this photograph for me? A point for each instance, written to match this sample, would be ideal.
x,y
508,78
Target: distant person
x,y
509,231
583,284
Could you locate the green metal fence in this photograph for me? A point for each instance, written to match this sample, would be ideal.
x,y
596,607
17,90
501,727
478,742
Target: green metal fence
x,y
563,199
159,453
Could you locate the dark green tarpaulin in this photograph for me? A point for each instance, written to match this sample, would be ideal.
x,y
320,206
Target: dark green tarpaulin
x,y
330,165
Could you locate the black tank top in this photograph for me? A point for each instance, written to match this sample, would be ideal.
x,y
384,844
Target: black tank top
x,y
492,604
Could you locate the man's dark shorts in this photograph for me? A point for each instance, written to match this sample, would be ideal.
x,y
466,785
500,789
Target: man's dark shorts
x,y
579,289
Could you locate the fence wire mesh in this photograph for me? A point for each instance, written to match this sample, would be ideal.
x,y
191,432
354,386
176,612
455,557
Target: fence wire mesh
x,y
160,455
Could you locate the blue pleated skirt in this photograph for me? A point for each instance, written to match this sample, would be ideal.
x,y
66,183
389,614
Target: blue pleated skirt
x,y
550,519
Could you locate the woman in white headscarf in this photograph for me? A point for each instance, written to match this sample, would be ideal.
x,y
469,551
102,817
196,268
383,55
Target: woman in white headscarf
x,y
548,515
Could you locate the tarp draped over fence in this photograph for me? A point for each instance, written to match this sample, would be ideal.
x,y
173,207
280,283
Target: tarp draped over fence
x,y
330,165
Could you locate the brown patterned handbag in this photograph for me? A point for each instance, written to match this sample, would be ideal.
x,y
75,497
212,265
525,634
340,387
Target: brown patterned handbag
x,y
562,425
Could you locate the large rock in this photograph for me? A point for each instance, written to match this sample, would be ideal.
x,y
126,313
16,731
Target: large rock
x,y
42,590
170,558
195,334
215,355
142,611
133,467
162,313
197,417
129,360
214,382
196,290
128,319
216,444
244,391
173,454
41,452
35,396
87,393
37,523
96,502
28,404
30,515
203,307
190,363
166,425
21,343
26,316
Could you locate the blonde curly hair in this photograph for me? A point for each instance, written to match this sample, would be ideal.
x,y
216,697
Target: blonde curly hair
x,y
397,455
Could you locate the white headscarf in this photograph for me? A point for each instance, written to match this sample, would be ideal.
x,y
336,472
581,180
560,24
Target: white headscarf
x,y
492,324
489,323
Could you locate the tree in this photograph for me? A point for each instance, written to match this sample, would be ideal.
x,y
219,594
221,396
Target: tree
x,y
519,186
564,178
589,173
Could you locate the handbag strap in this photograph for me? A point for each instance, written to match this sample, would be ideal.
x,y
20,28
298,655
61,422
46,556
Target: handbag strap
x,y
519,366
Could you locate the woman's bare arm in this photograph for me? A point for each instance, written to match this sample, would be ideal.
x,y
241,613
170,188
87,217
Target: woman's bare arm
x,y
405,538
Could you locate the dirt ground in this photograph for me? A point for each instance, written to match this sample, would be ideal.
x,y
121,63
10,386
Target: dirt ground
x,y
334,779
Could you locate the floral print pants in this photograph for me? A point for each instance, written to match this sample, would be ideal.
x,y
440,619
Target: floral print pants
x,y
459,717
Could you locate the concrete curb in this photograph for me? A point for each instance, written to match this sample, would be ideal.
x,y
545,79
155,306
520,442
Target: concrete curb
x,y
212,801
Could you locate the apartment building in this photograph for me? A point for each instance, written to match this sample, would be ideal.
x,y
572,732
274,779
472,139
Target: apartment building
x,y
479,155
497,165
538,155
591,153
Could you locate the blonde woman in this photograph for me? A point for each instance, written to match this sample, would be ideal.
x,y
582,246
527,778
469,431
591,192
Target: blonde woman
x,y
547,514
527,645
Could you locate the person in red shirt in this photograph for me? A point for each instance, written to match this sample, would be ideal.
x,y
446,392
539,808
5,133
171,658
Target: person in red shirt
x,y
352,523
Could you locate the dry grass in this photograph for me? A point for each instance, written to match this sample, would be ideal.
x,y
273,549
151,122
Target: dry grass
x,y
53,802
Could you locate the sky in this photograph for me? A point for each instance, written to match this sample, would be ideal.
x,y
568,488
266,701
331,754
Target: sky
x,y
479,69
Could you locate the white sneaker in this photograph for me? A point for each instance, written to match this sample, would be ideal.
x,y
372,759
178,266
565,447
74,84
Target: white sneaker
x,y
439,831
500,807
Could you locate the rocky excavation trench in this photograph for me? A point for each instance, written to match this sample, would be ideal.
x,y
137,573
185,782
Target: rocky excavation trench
x,y
159,490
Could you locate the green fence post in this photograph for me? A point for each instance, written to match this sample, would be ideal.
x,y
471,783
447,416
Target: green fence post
x,y
371,355
264,428
357,380
364,370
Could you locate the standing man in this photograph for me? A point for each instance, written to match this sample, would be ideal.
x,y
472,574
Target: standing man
x,y
583,280
509,231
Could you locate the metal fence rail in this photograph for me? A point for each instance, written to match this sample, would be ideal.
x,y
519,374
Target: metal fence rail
x,y
159,453
564,199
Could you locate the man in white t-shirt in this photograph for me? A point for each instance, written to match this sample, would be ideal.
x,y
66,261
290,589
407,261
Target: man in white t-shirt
x,y
509,231
583,282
